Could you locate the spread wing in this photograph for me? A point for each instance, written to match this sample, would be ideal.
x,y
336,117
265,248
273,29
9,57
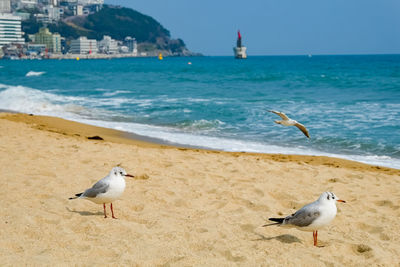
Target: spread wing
x,y
280,114
303,217
98,188
303,129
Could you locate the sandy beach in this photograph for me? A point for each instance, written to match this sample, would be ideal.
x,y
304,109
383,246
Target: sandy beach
x,y
185,207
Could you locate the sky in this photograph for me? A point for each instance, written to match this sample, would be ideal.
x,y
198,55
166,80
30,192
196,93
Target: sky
x,y
279,27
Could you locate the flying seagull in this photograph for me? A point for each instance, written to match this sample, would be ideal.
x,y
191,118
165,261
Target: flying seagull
x,y
313,216
286,121
106,190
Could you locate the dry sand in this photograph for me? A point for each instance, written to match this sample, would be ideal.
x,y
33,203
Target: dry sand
x,y
187,207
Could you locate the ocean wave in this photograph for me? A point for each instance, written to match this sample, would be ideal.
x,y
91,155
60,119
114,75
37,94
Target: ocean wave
x,y
29,100
206,133
199,125
34,73
114,93
174,136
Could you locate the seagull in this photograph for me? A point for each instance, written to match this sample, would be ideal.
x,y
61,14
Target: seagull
x,y
106,190
313,216
286,121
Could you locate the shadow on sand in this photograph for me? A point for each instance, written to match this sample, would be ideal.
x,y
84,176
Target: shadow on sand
x,y
281,238
86,213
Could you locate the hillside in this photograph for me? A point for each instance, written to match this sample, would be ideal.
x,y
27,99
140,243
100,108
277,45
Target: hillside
x,y
117,22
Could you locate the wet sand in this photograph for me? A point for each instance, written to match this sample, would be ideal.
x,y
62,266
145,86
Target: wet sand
x,y
186,206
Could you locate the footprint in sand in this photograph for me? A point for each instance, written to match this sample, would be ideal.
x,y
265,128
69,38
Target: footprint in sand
x,y
202,230
386,203
248,228
375,230
228,255
287,201
259,192
363,249
138,207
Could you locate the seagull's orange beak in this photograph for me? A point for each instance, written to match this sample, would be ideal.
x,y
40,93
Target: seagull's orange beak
x,y
128,175
339,200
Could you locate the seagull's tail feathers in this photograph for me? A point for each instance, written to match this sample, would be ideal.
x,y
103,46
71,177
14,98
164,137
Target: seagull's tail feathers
x,y
277,221
76,196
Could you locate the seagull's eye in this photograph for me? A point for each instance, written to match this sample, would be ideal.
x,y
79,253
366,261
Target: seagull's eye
x,y
333,197
120,173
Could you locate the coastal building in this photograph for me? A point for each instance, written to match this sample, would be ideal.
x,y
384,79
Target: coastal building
x,y
90,9
82,45
50,14
131,44
13,51
108,45
5,6
36,48
51,40
79,10
68,2
50,2
19,4
24,15
90,2
10,30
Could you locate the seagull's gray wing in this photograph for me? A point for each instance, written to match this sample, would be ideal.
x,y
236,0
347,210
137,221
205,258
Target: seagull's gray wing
x,y
303,129
303,217
98,188
280,114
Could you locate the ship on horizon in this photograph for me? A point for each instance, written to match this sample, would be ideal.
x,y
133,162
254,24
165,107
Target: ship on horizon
x,y
239,50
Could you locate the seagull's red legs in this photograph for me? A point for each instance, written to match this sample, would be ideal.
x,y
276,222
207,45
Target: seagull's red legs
x,y
104,206
112,211
315,236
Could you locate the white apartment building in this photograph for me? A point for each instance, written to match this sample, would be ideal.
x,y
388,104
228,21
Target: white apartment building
x,y
10,30
131,43
5,6
108,45
82,45
51,14
26,3
90,2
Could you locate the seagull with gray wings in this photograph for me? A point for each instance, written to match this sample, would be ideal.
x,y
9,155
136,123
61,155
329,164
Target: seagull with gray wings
x,y
313,216
286,121
106,190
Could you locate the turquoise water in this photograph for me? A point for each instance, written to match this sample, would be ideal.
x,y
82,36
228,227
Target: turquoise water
x,y
350,104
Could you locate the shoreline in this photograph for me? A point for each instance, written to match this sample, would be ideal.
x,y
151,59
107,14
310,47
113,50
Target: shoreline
x,y
207,207
77,129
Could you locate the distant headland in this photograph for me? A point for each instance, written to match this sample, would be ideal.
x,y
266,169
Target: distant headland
x,y
83,29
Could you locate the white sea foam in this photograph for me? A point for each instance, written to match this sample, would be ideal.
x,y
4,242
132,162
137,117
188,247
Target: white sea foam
x,y
28,100
114,93
171,135
34,73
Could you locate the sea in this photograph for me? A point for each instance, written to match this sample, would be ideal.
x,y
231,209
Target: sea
x,y
350,104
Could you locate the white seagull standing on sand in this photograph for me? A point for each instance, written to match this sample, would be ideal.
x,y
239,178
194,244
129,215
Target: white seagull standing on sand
x,y
286,121
313,216
107,189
